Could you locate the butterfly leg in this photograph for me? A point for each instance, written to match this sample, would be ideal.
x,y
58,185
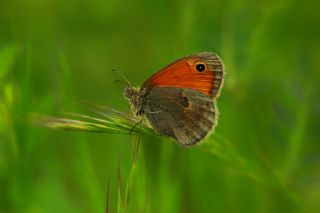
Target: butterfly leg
x,y
134,126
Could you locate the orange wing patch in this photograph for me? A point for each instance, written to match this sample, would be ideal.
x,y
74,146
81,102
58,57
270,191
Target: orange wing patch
x,y
202,71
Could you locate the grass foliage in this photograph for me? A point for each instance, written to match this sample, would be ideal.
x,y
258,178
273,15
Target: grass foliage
x,y
263,156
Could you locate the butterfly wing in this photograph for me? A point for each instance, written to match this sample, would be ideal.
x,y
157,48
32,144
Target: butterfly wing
x,y
184,73
187,115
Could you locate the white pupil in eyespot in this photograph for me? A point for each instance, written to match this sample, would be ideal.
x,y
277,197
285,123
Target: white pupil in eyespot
x,y
200,67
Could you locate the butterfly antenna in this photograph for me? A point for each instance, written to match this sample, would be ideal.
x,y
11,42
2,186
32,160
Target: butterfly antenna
x,y
121,81
123,77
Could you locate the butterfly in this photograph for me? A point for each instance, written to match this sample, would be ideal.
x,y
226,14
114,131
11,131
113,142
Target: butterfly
x,y
179,101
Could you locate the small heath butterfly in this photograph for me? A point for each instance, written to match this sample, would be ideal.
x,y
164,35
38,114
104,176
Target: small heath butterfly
x,y
179,101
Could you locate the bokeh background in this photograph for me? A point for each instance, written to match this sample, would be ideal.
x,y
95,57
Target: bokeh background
x,y
264,157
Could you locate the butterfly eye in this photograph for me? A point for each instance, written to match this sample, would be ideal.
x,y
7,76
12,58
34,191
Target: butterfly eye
x,y
200,67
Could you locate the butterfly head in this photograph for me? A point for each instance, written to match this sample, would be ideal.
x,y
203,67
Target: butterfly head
x,y
133,95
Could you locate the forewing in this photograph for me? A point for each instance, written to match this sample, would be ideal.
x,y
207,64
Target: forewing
x,y
183,74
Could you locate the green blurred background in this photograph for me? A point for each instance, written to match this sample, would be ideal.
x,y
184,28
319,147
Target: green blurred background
x,y
264,157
